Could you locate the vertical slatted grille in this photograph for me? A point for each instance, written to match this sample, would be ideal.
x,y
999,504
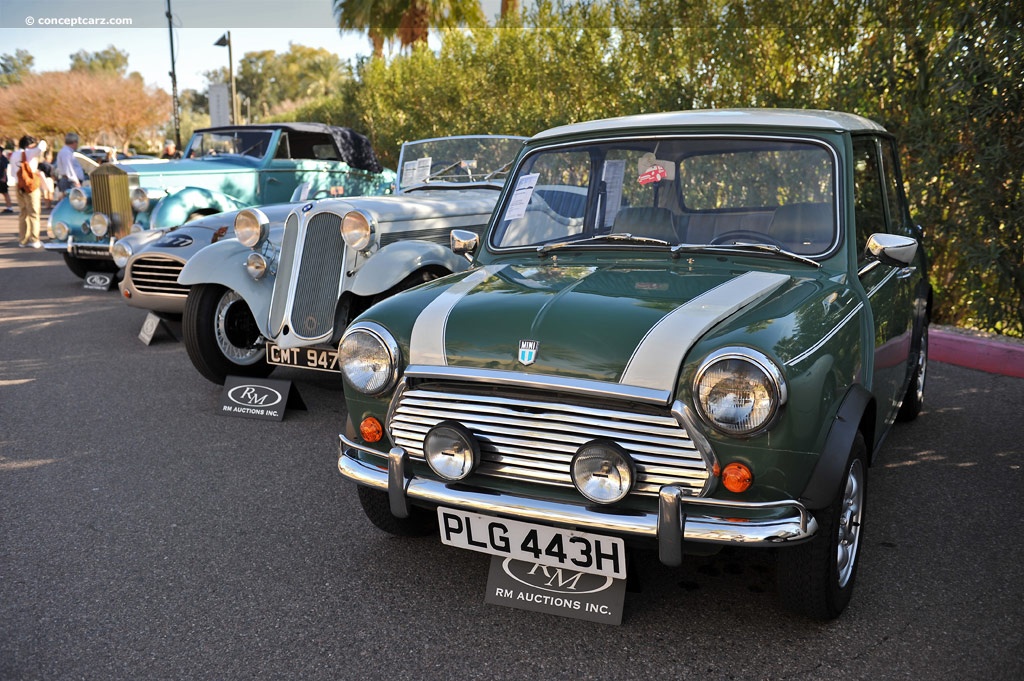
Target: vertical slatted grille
x,y
111,195
158,274
531,440
316,286
284,273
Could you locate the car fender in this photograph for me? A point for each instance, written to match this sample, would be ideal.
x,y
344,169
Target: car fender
x,y
831,467
175,209
396,261
66,213
223,263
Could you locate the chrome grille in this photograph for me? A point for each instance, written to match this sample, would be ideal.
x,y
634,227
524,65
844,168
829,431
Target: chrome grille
x,y
532,440
158,275
284,273
316,286
111,195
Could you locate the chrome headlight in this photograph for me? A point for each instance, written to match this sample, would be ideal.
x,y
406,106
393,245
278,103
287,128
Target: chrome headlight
x,y
251,227
140,199
451,450
59,231
121,252
356,230
99,224
602,471
739,391
78,199
369,357
256,265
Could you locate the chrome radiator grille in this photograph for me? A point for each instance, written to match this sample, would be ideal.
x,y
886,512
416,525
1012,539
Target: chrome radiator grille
x,y
111,196
530,440
316,286
158,274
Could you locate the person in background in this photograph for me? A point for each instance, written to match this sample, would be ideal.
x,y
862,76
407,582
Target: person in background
x,y
68,170
46,172
4,162
171,150
28,182
111,157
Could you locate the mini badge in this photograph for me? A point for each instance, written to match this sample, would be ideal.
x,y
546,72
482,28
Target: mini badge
x,y
528,351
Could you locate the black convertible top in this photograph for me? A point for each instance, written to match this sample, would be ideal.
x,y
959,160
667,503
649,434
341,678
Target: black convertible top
x,y
354,147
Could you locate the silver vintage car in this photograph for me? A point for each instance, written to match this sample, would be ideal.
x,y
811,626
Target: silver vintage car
x,y
282,297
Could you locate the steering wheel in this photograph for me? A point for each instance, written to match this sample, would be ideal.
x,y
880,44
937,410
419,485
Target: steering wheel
x,y
448,169
740,235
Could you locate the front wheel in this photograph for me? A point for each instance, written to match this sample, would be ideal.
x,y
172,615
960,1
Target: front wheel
x,y
221,336
80,267
913,401
816,578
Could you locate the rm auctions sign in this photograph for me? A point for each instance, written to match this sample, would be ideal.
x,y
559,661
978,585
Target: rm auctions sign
x,y
254,398
556,591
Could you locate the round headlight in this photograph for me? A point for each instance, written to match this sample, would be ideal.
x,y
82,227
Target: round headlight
x,y
602,471
451,450
78,199
99,224
59,231
356,231
140,199
739,391
121,252
256,265
251,227
368,355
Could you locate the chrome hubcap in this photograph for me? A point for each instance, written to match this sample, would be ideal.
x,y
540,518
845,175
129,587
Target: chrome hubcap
x,y
922,365
850,518
237,337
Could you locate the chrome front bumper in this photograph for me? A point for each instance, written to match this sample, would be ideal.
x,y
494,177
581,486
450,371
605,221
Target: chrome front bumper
x,y
679,518
91,250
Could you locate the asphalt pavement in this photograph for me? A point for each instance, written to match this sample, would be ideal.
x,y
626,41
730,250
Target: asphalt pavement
x,y
145,536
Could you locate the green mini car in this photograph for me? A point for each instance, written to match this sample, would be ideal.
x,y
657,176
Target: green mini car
x,y
224,168
681,330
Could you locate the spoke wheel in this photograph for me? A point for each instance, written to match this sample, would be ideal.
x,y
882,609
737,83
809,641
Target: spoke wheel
x,y
913,401
221,336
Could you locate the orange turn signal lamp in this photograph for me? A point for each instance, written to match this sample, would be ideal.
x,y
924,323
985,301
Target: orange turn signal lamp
x,y
737,477
371,430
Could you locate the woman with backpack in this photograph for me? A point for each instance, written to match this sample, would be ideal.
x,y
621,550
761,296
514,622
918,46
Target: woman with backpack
x,y
23,172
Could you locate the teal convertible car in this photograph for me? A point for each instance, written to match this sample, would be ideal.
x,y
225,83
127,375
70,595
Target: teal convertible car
x,y
224,168
681,330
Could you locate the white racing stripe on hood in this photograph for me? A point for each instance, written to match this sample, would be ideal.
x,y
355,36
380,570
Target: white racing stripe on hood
x,y
657,358
426,345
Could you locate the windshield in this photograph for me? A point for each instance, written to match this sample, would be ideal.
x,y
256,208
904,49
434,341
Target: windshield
x,y
709,191
457,160
252,143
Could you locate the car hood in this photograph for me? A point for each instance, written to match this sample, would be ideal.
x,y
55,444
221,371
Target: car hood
x,y
169,168
613,324
421,205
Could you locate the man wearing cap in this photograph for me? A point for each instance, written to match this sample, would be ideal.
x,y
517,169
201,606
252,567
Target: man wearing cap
x,y
68,170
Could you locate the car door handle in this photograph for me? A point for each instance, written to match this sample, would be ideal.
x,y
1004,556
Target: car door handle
x,y
906,272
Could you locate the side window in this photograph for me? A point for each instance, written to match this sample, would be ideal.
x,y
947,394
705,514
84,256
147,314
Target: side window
x,y
283,148
893,191
868,196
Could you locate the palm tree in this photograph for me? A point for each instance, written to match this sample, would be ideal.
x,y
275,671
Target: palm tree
x,y
408,20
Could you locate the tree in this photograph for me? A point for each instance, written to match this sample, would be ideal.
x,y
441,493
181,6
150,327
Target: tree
x,y
407,20
109,60
14,67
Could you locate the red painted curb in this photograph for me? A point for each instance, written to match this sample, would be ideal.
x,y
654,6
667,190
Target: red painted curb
x,y
984,354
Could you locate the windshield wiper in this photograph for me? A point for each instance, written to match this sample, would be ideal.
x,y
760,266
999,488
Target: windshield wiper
x,y
444,170
742,246
503,169
619,236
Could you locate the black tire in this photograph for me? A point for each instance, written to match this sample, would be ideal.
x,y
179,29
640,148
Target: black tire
x,y
812,579
221,336
378,509
913,401
82,266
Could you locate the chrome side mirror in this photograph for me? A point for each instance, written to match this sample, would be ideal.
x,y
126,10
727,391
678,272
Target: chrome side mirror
x,y
892,249
464,242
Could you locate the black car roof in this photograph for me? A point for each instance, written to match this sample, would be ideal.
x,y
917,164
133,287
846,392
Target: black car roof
x,y
355,148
